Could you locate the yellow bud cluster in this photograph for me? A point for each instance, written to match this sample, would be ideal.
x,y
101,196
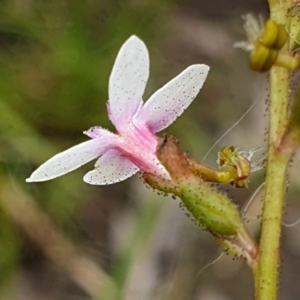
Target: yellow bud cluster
x,y
268,44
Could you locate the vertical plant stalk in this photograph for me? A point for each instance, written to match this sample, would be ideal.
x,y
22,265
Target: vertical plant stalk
x,y
269,249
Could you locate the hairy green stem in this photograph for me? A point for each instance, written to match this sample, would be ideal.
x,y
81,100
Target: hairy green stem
x,y
269,249
266,277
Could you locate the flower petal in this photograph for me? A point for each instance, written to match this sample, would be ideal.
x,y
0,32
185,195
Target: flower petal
x,y
111,167
169,102
71,159
97,132
127,81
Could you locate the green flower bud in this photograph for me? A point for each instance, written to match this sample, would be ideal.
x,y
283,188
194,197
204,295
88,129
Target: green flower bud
x,y
210,208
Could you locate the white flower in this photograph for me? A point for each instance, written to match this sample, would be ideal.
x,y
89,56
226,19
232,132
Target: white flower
x,y
133,147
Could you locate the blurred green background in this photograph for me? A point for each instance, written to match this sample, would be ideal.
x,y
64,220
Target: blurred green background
x,y
64,239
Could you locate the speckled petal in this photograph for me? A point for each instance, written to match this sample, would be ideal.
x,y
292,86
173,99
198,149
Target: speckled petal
x,y
127,82
71,159
98,132
110,168
169,102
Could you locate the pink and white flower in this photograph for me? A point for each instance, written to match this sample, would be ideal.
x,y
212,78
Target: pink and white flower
x,y
133,148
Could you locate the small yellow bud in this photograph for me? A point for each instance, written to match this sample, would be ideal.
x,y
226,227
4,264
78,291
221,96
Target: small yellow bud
x,y
273,36
265,42
262,58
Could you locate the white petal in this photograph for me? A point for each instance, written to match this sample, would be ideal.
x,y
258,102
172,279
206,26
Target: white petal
x,y
97,132
127,81
169,102
70,159
111,167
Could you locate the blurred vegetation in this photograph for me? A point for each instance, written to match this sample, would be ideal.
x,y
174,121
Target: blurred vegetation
x,y
55,61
